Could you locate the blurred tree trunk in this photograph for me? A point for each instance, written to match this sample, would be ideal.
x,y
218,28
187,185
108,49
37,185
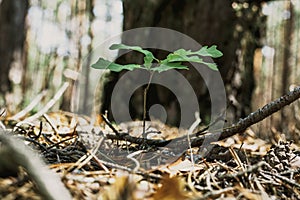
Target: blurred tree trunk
x,y
277,70
208,22
12,37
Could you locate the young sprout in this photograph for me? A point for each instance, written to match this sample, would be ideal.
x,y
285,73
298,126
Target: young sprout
x,y
173,61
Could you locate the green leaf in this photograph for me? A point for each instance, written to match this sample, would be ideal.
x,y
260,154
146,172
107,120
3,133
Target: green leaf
x,y
148,59
105,64
211,51
212,66
182,55
173,60
182,58
167,66
204,51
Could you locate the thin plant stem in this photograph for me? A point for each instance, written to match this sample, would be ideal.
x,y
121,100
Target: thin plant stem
x,y
144,104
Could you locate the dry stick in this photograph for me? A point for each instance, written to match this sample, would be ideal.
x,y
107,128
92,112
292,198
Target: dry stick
x,y
85,158
122,167
110,125
251,169
51,103
253,118
137,140
50,122
48,183
239,127
28,108
282,178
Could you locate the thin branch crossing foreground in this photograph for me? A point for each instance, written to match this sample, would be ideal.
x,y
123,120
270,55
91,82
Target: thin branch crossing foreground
x,y
239,127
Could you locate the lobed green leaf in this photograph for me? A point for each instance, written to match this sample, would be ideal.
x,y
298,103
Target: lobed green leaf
x,y
204,51
211,51
182,55
148,59
212,66
167,66
173,60
105,64
182,58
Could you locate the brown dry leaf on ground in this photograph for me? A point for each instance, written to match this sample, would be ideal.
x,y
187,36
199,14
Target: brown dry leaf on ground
x,y
123,188
171,188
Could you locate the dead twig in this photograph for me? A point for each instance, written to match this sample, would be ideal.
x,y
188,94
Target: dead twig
x,y
49,183
282,178
50,122
216,135
110,125
28,108
249,170
86,158
51,103
138,172
251,119
136,162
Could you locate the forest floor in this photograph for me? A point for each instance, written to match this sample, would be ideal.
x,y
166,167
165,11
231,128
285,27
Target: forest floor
x,y
108,161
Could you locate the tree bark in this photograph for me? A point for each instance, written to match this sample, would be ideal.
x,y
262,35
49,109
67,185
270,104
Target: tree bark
x,y
12,37
277,71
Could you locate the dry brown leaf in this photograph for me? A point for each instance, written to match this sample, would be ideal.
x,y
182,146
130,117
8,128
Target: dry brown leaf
x,y
172,188
123,188
183,166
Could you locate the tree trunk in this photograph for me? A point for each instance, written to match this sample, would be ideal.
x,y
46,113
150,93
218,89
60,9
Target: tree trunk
x,y
12,37
277,70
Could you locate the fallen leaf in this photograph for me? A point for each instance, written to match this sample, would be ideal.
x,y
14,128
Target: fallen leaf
x,y
172,188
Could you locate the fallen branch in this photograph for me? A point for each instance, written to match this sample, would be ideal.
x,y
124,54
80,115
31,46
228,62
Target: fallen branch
x,y
239,127
14,153
253,118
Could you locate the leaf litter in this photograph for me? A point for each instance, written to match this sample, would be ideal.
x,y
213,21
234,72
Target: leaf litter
x,y
94,165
